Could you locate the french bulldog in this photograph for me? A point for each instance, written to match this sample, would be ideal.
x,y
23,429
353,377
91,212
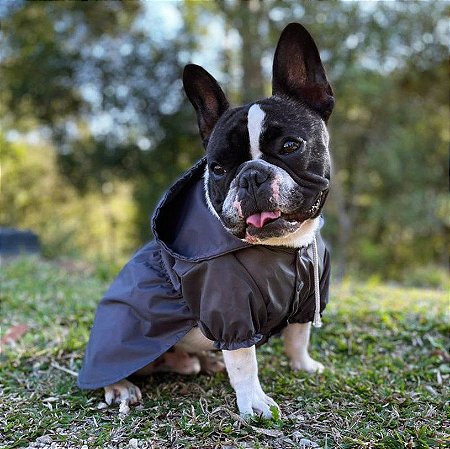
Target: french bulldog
x,y
266,178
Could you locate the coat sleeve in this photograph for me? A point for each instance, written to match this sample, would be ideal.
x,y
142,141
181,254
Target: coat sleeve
x,y
227,302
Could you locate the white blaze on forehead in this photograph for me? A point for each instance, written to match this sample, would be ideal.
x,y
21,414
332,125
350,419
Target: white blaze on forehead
x,y
255,123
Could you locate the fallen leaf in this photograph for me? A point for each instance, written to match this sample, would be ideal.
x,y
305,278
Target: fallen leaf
x,y
443,354
13,334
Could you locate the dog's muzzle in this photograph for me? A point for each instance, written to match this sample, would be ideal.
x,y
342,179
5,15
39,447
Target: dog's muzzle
x,y
264,201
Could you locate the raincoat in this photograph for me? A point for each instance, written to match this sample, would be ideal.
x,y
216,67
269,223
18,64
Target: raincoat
x,y
195,273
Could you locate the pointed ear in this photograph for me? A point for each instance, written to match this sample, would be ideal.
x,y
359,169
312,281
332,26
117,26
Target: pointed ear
x,y
206,96
298,71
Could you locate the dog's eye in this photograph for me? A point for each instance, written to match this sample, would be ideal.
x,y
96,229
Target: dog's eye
x,y
291,145
217,169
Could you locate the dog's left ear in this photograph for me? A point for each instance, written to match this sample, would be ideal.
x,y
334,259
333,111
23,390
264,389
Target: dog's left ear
x,y
206,96
298,71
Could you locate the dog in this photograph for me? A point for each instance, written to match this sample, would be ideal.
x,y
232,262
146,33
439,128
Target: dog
x,y
237,254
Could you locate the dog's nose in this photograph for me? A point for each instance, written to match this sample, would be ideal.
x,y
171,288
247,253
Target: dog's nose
x,y
252,177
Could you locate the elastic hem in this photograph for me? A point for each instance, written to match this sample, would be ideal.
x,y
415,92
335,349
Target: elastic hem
x,y
303,320
231,346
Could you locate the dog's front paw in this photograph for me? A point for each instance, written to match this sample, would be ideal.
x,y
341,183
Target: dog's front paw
x,y
255,400
123,392
307,364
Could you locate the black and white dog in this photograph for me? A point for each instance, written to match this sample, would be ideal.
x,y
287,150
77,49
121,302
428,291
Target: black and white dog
x,y
265,180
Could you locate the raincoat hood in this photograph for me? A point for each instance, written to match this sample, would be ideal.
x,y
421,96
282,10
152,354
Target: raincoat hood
x,y
185,227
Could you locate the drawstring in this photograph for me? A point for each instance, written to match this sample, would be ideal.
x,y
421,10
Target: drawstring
x,y
317,322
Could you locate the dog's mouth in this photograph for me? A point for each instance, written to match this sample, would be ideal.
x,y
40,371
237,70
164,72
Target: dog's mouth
x,y
276,223
312,212
260,219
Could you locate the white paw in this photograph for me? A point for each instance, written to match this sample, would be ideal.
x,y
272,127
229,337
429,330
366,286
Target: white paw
x,y
255,400
307,364
123,392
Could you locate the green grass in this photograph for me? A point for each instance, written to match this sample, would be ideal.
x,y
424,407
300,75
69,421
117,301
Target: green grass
x,y
384,386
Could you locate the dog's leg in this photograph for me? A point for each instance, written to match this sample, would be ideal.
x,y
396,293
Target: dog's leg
x,y
242,370
194,342
178,361
122,392
296,340
174,360
210,363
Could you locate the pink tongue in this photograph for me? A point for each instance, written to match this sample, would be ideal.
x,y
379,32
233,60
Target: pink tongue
x,y
259,220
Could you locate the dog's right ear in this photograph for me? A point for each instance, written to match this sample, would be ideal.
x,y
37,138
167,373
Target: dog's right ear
x,y
206,96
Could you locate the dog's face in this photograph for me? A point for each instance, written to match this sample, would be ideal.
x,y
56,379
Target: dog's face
x,y
268,165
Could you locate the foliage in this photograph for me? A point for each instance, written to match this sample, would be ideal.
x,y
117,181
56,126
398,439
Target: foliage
x,y
385,385
36,196
46,44
388,206
102,82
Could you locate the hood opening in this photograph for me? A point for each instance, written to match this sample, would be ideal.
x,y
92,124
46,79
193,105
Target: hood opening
x,y
185,227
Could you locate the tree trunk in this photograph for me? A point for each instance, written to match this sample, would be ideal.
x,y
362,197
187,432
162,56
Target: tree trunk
x,y
345,227
247,18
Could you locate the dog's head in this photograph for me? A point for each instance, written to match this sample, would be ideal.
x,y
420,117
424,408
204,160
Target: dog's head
x,y
268,165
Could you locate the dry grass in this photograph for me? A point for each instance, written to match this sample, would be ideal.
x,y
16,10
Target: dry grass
x,y
385,386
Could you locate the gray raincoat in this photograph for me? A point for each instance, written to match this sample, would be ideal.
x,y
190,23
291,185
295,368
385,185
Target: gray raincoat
x,y
195,273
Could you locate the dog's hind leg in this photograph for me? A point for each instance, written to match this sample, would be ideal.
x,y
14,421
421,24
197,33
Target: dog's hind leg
x,y
296,341
174,360
210,363
122,392
126,393
195,343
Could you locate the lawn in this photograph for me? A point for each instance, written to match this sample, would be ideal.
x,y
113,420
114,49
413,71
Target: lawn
x,y
385,386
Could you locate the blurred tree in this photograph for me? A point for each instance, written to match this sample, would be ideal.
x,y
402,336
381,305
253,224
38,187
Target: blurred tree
x,y
35,195
45,45
387,63
106,87
103,80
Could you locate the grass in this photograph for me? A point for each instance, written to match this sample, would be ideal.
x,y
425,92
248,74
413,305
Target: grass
x,y
385,386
